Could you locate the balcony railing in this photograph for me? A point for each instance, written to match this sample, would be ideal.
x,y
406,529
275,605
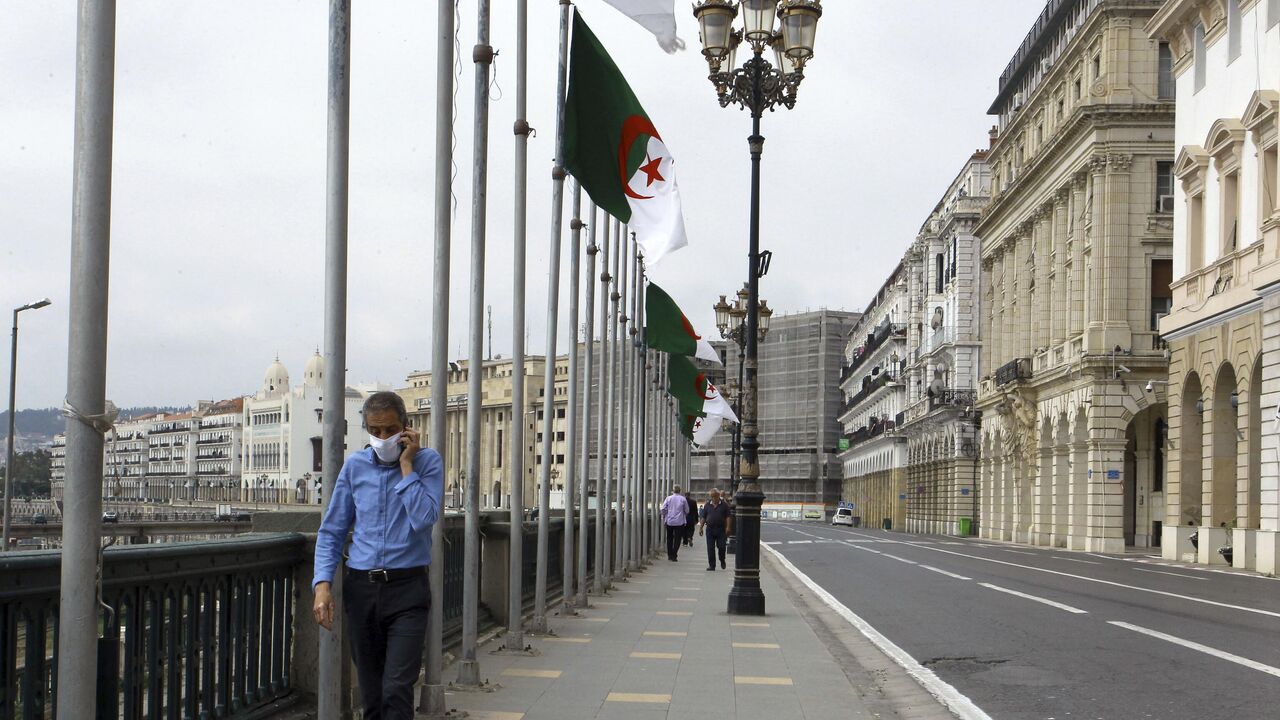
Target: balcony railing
x,y
875,339
1016,369
869,386
952,397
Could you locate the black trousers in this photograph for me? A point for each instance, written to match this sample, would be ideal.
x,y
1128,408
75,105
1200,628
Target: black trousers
x,y
387,626
715,541
675,534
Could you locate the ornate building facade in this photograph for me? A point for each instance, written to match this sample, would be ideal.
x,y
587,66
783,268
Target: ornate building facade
x,y
1224,328
1076,248
873,450
495,427
941,422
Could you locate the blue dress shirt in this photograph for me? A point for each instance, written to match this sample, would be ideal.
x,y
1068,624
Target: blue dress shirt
x,y
392,514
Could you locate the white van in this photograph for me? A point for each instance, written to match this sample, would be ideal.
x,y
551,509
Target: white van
x,y
843,516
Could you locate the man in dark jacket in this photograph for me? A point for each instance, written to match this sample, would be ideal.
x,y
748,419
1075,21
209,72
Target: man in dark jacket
x,y
690,520
715,521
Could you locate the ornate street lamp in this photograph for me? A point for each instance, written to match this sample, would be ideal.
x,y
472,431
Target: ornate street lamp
x,y
786,29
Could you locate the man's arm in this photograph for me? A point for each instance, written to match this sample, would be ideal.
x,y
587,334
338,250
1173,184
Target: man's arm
x,y
332,535
422,490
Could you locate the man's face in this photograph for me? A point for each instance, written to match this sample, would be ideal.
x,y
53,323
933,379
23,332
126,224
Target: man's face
x,y
382,424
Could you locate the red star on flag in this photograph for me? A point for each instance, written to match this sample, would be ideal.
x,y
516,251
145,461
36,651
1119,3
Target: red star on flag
x,y
651,170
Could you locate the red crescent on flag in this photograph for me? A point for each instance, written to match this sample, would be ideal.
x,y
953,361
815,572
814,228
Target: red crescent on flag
x,y
701,379
688,328
632,128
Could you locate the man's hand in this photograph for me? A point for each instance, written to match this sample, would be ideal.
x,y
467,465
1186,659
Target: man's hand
x,y
700,529
323,607
409,441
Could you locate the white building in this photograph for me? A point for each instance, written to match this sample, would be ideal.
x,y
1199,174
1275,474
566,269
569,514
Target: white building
x,y
873,449
942,269
283,427
1224,326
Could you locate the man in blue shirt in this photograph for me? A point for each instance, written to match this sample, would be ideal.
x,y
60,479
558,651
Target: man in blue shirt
x,y
388,496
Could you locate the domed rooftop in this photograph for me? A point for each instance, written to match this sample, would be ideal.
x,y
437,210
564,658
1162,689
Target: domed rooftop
x,y
277,378
313,374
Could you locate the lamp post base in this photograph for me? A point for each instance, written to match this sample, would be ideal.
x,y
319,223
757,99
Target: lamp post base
x,y
746,597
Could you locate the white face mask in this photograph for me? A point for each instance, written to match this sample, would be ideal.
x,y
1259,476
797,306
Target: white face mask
x,y
387,450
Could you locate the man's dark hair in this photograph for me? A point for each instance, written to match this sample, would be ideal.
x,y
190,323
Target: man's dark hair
x,y
382,401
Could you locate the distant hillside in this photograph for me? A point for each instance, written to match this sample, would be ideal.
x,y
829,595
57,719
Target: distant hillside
x,y
49,421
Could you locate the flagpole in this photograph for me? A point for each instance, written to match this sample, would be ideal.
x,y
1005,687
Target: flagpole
x,y
589,362
482,54
620,330
432,699
627,417
514,641
539,622
633,426
604,436
643,517
572,470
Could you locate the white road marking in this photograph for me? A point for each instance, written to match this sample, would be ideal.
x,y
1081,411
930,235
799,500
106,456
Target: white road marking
x,y
860,547
1162,572
944,572
1077,560
1221,654
1019,552
1045,601
900,559
961,706
799,542
1112,583
771,542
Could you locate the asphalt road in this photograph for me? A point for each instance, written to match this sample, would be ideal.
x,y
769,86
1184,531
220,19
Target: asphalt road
x,y
1036,633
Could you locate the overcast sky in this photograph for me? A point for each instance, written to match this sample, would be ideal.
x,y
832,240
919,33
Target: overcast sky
x,y
219,191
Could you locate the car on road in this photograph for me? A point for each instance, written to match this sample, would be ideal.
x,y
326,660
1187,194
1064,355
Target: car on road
x,y
110,516
39,519
812,514
843,516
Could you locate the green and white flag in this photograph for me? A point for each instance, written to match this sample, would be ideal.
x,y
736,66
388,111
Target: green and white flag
x,y
696,395
656,16
614,151
667,329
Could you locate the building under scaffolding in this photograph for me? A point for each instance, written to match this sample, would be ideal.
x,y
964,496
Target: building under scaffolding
x,y
798,400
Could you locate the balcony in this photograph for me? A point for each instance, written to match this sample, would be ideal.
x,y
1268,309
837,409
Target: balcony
x,y
942,336
874,429
869,386
882,333
1016,369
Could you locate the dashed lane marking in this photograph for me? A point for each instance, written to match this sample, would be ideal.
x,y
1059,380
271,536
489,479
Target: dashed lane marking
x,y
1035,598
944,572
1221,654
900,559
1162,572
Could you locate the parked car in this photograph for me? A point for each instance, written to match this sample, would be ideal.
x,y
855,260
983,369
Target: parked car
x,y
110,516
812,514
39,519
241,516
843,516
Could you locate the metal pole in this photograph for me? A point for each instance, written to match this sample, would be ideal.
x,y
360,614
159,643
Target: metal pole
x,y
86,359
602,514
431,700
619,563
627,416
515,549
8,466
571,431
333,440
587,379
608,310
643,456
746,597
482,54
539,622
633,414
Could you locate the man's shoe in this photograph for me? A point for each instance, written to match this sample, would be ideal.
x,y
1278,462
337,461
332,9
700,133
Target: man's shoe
x,y
722,565
713,567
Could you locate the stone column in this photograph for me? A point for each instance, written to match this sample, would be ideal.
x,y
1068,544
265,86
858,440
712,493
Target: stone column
x,y
1061,493
1095,228
1078,515
1268,536
1117,242
1041,299
1060,316
1106,492
1042,523
1076,283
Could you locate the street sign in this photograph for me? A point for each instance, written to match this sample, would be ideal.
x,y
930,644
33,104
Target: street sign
x,y
843,444
1113,474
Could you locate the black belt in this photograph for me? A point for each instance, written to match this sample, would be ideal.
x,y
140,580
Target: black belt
x,y
386,575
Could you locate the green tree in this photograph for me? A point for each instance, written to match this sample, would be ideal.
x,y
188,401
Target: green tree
x,y
32,474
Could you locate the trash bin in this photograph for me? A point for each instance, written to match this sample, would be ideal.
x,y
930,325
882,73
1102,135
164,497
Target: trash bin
x,y
857,521
966,527
886,524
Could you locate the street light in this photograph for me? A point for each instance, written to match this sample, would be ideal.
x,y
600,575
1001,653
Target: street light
x,y
13,387
786,29
730,323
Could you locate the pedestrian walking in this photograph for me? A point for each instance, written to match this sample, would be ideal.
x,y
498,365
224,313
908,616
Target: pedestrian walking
x,y
716,519
675,513
390,494
690,519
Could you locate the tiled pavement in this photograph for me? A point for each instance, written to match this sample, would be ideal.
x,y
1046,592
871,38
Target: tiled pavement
x,y
662,646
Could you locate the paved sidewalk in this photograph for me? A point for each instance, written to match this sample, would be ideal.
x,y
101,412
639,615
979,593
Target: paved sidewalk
x,y
662,646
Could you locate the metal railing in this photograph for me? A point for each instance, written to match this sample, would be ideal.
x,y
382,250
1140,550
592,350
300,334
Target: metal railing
x,y
1016,369
188,629
875,339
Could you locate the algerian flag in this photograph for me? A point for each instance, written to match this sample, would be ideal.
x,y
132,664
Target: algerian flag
x,y
696,394
668,329
656,16
705,428
614,151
